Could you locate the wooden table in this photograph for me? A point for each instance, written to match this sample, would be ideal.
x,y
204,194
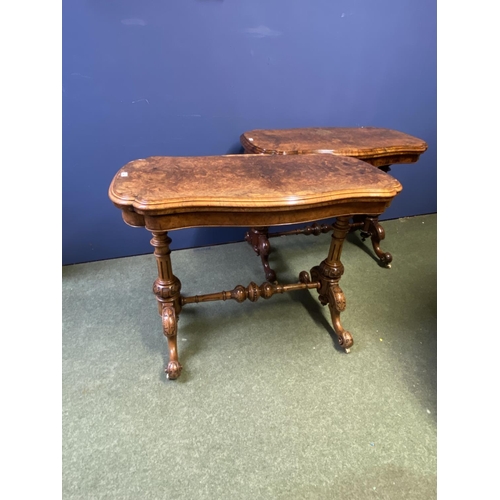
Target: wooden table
x,y
378,146
168,193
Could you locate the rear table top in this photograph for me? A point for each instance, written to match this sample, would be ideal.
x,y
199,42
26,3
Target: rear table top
x,y
378,146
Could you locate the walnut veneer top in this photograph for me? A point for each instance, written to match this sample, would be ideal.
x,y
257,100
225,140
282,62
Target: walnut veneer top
x,y
244,182
364,143
164,193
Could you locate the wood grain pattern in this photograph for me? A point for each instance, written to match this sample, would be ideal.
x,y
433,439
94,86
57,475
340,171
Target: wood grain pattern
x,y
378,146
168,185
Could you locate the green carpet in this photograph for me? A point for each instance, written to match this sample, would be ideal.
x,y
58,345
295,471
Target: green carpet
x,y
267,406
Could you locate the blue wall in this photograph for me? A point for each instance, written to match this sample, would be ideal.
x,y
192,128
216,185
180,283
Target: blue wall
x,y
187,77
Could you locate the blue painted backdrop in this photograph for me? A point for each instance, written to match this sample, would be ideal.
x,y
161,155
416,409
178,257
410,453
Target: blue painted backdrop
x,y
187,77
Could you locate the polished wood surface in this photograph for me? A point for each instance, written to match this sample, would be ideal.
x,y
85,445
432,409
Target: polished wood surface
x,y
253,189
163,193
378,146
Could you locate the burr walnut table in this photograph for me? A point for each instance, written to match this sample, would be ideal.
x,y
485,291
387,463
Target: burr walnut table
x,y
378,146
168,193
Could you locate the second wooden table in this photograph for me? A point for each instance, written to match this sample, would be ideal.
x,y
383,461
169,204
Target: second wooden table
x,y
380,147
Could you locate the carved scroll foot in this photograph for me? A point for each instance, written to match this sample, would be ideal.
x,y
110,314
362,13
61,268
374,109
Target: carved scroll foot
x,y
169,320
376,232
259,241
332,295
337,304
173,370
328,274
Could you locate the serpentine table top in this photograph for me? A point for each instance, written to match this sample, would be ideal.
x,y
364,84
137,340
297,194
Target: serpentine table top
x,y
238,190
378,146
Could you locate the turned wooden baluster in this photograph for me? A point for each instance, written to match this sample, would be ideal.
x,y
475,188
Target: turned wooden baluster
x,y
328,273
253,291
167,288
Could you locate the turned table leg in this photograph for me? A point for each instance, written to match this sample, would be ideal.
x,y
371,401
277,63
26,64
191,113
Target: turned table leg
x,y
259,241
328,273
167,288
372,229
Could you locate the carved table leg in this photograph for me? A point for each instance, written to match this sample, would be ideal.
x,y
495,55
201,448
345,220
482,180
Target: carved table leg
x,y
328,273
167,288
259,241
375,231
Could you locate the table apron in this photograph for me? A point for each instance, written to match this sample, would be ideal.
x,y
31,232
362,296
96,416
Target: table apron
x,y
269,217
